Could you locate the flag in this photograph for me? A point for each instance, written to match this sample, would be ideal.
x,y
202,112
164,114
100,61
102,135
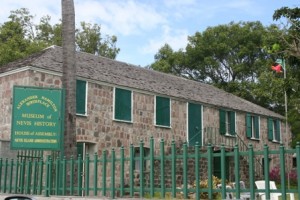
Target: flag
x,y
277,68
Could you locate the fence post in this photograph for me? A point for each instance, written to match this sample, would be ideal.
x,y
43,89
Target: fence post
x,y
0,174
173,148
251,171
104,173
72,175
34,176
95,173
5,174
162,168
122,172
79,175
17,174
113,160
141,160
41,174
282,171
11,175
197,170
57,176
236,170
64,176
184,162
209,171
266,171
131,171
87,175
223,171
151,167
298,165
48,176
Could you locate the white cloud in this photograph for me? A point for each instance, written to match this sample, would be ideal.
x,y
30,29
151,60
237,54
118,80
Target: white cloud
x,y
177,39
36,7
120,17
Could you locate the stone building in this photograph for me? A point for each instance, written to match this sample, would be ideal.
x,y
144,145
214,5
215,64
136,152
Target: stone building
x,y
119,104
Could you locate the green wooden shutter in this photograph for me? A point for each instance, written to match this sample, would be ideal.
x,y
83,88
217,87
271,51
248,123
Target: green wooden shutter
x,y
270,129
80,97
122,104
256,126
248,126
232,122
277,134
162,111
80,149
222,122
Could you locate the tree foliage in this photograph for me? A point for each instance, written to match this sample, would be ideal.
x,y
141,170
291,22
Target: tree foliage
x,y
20,36
237,57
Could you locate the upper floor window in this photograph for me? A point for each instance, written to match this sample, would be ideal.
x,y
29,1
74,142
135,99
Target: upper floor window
x,y
227,122
274,130
162,111
123,105
81,96
252,126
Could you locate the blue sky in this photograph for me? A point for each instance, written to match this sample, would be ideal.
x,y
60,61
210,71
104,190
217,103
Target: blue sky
x,y
144,26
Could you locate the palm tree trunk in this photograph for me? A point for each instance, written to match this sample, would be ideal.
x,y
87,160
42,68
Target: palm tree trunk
x,y
69,76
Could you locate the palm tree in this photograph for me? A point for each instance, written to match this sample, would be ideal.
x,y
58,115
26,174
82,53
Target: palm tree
x,y
69,76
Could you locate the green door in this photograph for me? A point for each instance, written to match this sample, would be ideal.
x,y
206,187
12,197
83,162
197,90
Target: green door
x,y
194,124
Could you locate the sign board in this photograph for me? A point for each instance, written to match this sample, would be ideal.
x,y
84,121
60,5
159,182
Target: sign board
x,y
37,118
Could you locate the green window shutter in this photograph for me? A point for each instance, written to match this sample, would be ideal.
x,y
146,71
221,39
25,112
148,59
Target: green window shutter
x,y
277,134
270,129
162,111
222,122
122,104
80,97
232,122
80,149
256,126
248,126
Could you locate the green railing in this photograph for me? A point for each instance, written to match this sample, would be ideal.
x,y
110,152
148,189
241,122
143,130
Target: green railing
x,y
164,170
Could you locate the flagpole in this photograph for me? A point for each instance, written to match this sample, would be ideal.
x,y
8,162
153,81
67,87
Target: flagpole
x,y
286,114
282,62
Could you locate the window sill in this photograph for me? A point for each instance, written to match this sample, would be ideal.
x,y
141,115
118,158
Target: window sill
x,y
161,126
254,139
275,141
81,115
123,121
229,135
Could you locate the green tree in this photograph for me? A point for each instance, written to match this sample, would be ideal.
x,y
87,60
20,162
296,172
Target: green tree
x,y
230,56
288,46
89,40
20,37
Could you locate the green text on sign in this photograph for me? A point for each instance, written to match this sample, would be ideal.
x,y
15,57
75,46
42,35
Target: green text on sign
x,y
37,118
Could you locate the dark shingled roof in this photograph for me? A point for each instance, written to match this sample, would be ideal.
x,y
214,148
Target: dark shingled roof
x,y
122,74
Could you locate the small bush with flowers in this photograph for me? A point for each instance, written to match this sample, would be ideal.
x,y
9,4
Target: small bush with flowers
x,y
293,177
275,174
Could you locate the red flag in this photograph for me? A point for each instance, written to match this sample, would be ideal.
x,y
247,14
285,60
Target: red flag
x,y
277,68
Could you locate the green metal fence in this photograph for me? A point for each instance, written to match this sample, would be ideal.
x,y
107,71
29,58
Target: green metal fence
x,y
162,171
